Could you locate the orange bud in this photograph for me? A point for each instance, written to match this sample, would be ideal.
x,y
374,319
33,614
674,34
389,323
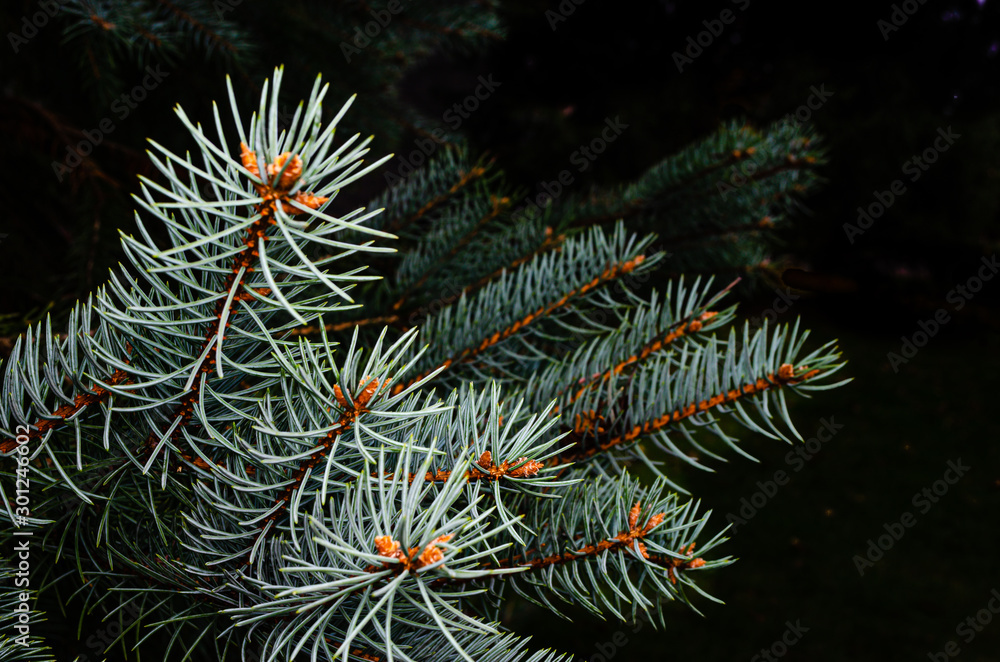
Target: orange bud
x,y
633,515
529,468
292,172
249,160
386,546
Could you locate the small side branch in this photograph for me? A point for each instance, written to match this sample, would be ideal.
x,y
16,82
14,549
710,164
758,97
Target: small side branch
x,y
471,352
587,425
498,205
464,180
81,401
682,329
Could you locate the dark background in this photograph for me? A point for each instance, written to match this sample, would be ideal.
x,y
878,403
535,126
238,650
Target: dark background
x,y
889,98
939,70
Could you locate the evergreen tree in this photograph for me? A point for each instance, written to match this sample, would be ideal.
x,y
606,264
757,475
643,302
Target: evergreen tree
x,y
297,430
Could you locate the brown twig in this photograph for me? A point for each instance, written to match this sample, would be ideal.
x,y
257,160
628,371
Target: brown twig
x,y
468,353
